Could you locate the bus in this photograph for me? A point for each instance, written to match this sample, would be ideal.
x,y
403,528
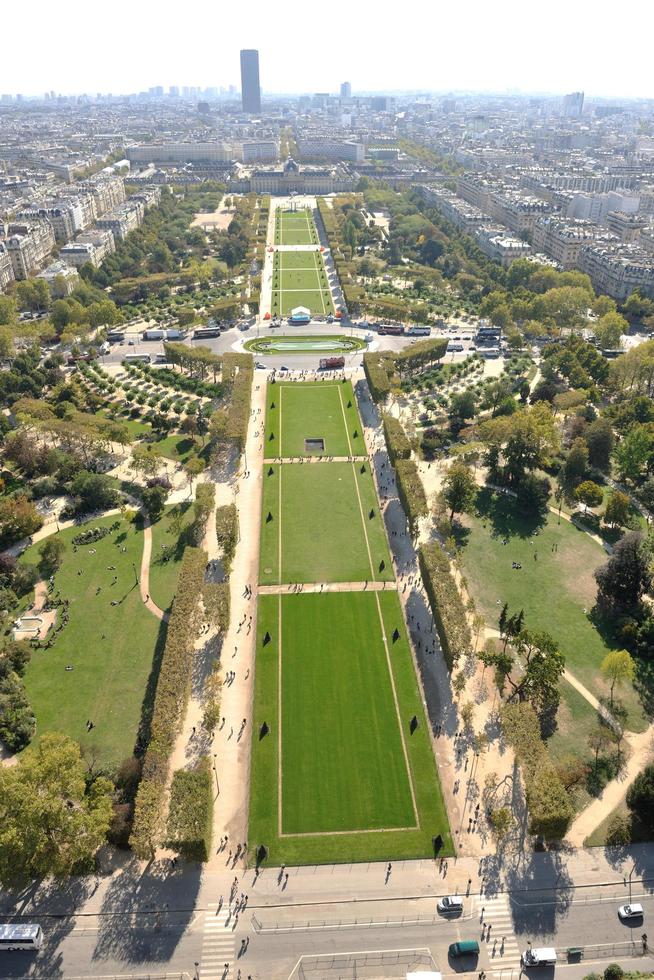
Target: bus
x,y
419,331
392,329
115,336
331,363
205,332
137,358
26,936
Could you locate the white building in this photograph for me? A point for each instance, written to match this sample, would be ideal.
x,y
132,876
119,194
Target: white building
x,y
29,245
61,278
91,246
6,267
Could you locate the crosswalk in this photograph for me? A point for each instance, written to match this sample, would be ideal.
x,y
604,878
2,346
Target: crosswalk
x,y
497,915
217,944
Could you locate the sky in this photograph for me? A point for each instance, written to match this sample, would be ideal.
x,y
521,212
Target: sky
x,y
476,45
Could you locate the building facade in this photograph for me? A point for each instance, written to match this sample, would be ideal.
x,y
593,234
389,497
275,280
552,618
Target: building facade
x,y
250,86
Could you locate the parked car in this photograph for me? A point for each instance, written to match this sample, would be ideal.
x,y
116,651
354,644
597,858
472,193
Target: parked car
x,y
465,947
450,903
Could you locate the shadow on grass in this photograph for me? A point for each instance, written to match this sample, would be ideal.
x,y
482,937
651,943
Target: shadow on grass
x,y
147,705
504,518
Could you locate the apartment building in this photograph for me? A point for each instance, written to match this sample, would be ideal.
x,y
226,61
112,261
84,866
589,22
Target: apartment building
x,y
61,278
617,268
219,152
6,267
494,242
260,151
29,244
59,217
465,216
519,212
90,246
562,239
626,226
324,148
122,219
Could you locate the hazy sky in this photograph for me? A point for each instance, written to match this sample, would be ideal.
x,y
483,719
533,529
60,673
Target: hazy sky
x,y
128,45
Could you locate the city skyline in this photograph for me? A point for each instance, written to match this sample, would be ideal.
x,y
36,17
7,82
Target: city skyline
x,y
495,52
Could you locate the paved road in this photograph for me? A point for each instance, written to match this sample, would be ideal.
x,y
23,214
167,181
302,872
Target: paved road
x,y
278,935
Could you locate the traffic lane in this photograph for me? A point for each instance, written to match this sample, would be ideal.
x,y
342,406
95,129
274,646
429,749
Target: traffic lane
x,y
76,950
581,920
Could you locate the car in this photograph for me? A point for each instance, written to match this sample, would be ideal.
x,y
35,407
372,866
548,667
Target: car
x,y
130,343
465,947
631,911
284,368
450,903
260,365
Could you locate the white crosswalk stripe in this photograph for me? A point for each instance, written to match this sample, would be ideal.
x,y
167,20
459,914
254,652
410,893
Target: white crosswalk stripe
x,y
217,945
497,915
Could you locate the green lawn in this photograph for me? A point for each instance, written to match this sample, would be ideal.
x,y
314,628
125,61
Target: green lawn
x,y
344,767
295,228
299,279
320,410
324,535
110,648
555,585
167,551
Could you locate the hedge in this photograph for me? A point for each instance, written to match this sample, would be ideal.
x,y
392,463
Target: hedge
x,y
550,808
171,698
205,497
227,532
190,812
411,492
217,604
445,602
378,369
239,371
397,444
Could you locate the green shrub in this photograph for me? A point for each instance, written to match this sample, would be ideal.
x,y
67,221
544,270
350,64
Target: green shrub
x,y
445,602
411,492
190,812
378,369
227,532
397,443
173,689
238,372
550,808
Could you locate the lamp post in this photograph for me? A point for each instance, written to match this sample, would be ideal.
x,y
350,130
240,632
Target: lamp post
x,y
136,578
215,772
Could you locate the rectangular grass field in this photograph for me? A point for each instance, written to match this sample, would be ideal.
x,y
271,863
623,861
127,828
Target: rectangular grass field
x,y
299,279
295,228
313,410
339,764
321,523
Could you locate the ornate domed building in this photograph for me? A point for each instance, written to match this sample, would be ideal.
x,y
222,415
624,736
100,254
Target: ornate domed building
x,y
291,177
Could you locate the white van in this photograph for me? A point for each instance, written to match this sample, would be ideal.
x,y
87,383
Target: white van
x,y
450,903
539,956
15,936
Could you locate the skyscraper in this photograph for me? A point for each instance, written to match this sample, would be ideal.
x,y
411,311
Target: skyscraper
x,y
250,89
573,105
346,90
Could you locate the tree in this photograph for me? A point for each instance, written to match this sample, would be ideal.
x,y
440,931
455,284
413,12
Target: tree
x,y
576,463
51,823
598,740
609,329
18,519
640,797
600,441
94,491
541,663
618,509
617,667
52,553
154,501
633,452
459,489
193,469
589,493
500,821
626,576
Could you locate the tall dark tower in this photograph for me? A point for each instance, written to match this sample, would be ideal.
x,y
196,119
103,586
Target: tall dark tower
x,y
250,88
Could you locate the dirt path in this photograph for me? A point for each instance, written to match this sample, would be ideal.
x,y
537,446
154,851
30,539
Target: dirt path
x,y
144,578
641,746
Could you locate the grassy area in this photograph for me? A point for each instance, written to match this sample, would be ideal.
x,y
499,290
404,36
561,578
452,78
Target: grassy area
x,y
176,446
323,532
343,762
305,344
299,279
295,227
110,648
167,551
315,410
638,832
555,585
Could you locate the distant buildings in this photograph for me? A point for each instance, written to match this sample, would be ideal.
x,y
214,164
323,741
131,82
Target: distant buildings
x,y
573,105
291,178
346,90
29,245
250,86
90,246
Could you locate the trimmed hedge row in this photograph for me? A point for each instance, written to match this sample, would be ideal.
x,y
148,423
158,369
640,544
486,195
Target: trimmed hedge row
x,y
378,368
397,444
239,369
445,602
191,811
550,808
411,492
217,604
205,498
173,689
227,532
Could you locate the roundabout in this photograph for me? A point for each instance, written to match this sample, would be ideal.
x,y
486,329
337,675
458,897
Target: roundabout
x,y
305,345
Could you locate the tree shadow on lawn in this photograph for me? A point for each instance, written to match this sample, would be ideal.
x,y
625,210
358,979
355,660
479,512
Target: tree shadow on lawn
x,y
504,518
162,903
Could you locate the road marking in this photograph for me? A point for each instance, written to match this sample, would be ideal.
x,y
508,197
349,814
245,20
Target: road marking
x,y
218,943
497,914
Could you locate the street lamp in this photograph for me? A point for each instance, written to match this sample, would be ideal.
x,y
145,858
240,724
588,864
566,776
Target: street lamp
x,y
215,772
196,975
136,578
